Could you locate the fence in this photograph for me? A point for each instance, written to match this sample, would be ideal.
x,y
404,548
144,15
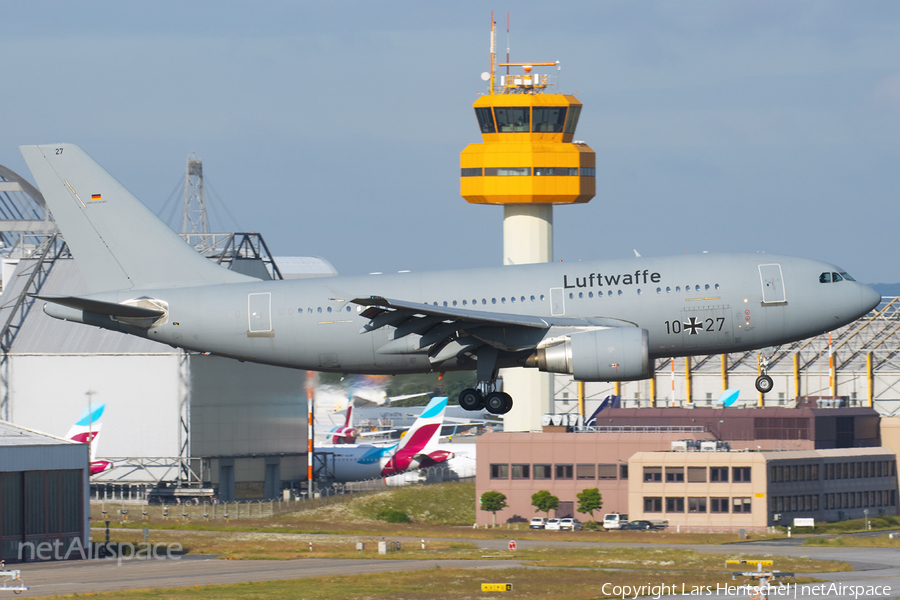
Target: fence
x,y
323,495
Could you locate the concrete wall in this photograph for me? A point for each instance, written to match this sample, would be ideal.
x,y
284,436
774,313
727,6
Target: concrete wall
x,y
239,409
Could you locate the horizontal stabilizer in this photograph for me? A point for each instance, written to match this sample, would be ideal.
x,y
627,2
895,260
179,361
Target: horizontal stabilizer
x,y
103,308
118,243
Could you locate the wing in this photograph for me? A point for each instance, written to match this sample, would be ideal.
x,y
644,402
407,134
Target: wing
x,y
443,332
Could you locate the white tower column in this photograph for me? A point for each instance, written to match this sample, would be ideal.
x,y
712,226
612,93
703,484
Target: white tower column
x,y
527,238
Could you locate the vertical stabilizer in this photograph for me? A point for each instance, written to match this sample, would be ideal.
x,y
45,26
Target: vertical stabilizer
x,y
421,438
118,243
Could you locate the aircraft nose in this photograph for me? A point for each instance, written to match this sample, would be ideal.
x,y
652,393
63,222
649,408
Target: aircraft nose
x,y
870,298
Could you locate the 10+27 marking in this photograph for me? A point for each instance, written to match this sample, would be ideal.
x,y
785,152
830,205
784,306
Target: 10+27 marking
x,y
694,325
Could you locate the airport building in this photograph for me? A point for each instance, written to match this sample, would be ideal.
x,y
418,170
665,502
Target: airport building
x,y
43,491
751,468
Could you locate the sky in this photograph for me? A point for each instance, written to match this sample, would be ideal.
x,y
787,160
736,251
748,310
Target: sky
x,y
334,128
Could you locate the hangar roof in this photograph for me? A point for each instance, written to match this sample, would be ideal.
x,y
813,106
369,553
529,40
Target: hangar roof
x,y
14,435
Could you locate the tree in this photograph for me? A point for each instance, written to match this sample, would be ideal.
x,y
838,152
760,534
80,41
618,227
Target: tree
x,y
492,502
589,500
544,501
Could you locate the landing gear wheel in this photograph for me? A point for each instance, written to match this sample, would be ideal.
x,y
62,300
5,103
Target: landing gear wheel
x,y
764,384
471,399
498,403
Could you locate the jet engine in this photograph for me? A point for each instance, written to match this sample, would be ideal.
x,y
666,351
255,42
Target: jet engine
x,y
613,354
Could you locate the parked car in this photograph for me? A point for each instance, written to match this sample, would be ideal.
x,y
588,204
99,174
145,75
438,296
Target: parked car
x,y
569,524
537,523
552,524
636,526
614,520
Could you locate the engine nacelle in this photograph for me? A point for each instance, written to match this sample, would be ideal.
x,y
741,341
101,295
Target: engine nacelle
x,y
614,354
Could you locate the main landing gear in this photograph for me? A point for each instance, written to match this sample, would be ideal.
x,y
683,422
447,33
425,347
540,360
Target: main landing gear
x,y
486,394
498,403
764,382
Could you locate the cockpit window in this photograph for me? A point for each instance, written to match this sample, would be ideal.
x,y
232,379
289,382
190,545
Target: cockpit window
x,y
835,278
846,276
825,278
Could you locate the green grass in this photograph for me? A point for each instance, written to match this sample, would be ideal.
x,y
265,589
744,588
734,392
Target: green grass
x,y
854,541
440,504
850,526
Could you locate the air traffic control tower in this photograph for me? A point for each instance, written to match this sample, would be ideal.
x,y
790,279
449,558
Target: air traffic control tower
x,y
528,162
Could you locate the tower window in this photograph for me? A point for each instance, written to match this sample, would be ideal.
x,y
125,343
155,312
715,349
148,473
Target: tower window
x,y
476,172
549,120
508,172
512,119
485,120
572,119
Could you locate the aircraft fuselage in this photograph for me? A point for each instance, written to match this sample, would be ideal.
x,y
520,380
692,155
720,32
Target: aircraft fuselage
x,y
689,305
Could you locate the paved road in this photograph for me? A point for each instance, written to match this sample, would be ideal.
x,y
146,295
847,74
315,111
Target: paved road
x,y
874,567
104,575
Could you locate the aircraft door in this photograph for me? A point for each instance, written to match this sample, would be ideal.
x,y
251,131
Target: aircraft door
x,y
259,312
772,285
557,302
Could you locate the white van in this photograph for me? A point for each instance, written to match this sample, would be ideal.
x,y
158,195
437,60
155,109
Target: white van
x,y
614,520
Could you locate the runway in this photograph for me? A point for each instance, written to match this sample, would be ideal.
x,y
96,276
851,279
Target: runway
x,y
873,567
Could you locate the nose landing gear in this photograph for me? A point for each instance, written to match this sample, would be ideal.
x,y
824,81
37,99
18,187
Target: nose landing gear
x,y
764,382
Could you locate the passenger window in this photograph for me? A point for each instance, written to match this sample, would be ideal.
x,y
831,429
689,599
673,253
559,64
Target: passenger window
x,y
835,278
677,288
825,278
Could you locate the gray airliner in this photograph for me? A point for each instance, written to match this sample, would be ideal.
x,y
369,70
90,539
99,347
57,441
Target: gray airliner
x,y
598,321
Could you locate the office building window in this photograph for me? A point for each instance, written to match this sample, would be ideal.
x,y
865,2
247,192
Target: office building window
x,y
674,505
652,474
718,474
696,505
718,505
521,471
499,471
674,474
586,472
740,474
696,474
543,472
623,471
564,471
606,471
740,505
652,504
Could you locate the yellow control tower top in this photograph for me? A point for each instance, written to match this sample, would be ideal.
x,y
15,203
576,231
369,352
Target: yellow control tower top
x,y
528,155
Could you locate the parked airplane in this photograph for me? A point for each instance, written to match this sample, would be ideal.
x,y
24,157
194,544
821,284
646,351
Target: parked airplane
x,y
598,321
86,430
416,449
